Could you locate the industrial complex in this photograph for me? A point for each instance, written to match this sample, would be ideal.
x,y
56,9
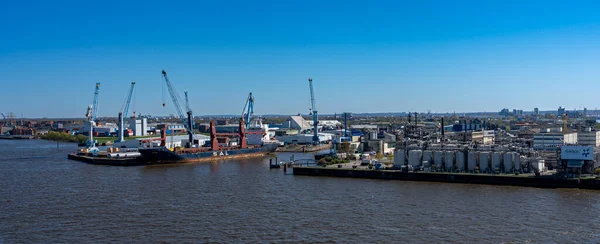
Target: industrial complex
x,y
508,142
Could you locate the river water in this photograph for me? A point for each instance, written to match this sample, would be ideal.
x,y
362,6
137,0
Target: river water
x,y
46,198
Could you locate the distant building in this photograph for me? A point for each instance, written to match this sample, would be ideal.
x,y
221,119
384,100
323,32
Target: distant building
x,y
584,112
560,111
504,112
363,127
139,126
470,125
589,138
332,123
536,111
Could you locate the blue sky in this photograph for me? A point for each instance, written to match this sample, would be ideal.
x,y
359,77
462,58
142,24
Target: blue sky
x,y
364,56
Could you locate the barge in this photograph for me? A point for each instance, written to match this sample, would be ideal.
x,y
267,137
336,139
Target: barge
x,y
113,157
548,181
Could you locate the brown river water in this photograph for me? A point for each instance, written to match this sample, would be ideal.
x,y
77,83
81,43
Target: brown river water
x,y
45,198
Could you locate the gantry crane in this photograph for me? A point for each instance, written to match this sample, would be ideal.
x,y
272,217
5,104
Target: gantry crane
x,y
124,111
246,114
187,124
313,111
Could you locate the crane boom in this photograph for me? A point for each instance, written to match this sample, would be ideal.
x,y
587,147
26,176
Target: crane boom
x,y
173,93
246,114
95,104
315,116
125,110
187,102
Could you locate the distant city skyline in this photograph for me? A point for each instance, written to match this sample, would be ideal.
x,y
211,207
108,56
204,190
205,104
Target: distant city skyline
x,y
364,57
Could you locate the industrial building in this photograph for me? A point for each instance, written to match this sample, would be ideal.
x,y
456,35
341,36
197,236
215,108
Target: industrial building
x,y
139,126
589,138
296,122
330,123
106,129
485,137
550,141
304,138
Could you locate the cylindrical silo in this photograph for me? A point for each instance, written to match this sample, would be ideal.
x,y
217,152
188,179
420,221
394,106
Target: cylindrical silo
x,y
437,158
496,161
484,160
518,160
472,161
449,160
460,160
399,158
428,156
414,158
508,162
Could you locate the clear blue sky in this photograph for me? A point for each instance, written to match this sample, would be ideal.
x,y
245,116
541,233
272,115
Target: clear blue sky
x,y
364,56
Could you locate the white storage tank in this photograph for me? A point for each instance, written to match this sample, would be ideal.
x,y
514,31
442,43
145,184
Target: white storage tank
x,y
484,158
437,158
472,161
496,160
461,160
373,135
508,162
428,156
414,158
539,164
399,158
449,160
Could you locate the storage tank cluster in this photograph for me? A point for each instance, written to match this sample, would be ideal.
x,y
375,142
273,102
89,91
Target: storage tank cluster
x,y
461,160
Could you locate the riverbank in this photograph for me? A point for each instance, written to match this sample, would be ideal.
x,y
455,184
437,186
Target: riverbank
x,y
512,180
16,137
303,148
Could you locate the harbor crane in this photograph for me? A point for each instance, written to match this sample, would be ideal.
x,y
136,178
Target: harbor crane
x,y
91,114
313,111
187,124
95,104
246,114
127,102
187,102
187,106
124,111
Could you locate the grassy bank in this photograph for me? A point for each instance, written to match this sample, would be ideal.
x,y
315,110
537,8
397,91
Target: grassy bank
x,y
64,137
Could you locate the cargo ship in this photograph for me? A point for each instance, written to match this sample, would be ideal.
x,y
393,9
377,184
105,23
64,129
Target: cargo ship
x,y
219,147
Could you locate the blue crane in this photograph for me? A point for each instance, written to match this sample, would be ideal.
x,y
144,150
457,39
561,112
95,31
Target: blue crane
x,y
95,104
246,114
127,102
187,102
124,111
313,111
187,123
